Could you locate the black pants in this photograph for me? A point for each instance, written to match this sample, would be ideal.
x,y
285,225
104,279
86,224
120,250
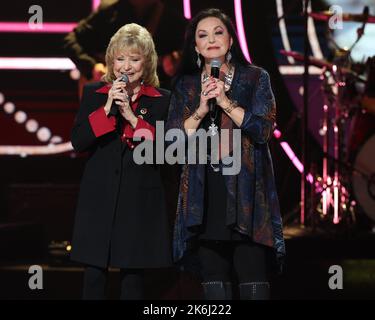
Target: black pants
x,y
95,282
219,258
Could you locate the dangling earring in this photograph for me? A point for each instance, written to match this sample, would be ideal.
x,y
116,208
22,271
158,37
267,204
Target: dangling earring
x,y
199,62
229,56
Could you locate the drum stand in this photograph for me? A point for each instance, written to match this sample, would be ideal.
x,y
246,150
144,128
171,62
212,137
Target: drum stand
x,y
332,188
331,185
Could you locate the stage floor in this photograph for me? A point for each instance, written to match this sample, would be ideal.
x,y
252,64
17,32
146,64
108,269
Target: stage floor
x,y
310,254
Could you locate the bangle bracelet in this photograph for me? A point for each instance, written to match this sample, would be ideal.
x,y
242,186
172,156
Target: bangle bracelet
x,y
196,116
232,105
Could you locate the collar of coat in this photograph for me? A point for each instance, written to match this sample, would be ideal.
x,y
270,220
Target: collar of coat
x,y
145,90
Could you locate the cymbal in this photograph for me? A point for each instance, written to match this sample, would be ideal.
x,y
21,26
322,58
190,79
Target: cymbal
x,y
320,63
326,15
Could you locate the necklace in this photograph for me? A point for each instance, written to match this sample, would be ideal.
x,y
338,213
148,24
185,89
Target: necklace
x,y
228,78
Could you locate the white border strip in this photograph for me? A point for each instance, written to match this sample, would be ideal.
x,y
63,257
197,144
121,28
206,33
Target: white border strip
x,y
7,63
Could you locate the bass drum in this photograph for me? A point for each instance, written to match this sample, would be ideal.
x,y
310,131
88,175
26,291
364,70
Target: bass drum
x,y
362,146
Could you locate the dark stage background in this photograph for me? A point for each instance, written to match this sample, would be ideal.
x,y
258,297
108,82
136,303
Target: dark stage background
x,y
38,193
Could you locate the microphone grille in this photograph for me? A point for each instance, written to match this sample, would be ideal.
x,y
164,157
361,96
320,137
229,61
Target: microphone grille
x,y
125,78
215,63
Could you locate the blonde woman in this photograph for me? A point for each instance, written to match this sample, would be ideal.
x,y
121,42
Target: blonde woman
x,y
121,219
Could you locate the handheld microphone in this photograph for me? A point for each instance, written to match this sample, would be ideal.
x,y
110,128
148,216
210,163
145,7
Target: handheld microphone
x,y
215,72
124,78
114,108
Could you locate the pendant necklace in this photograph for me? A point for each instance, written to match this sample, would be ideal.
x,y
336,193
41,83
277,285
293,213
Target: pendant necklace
x,y
213,128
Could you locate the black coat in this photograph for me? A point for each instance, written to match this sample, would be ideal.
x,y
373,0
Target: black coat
x,y
121,218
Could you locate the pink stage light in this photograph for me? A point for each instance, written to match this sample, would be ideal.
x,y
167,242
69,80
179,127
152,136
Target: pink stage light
x,y
310,178
95,4
292,156
336,203
288,150
324,202
277,134
36,64
187,9
24,151
241,29
47,27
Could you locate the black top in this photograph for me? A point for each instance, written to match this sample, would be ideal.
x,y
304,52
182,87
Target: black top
x,y
214,225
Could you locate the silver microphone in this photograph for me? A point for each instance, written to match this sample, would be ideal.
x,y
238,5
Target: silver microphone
x,y
124,78
114,108
215,72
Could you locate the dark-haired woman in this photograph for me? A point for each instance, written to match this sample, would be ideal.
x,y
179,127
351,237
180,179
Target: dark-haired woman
x,y
233,219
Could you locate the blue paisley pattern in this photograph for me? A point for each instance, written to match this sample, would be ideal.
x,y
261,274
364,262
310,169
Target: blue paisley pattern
x,y
252,202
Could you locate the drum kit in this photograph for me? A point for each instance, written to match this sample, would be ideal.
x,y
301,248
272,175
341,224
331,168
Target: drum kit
x,y
347,178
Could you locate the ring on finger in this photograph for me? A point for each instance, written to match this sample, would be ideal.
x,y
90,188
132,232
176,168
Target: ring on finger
x,y
204,93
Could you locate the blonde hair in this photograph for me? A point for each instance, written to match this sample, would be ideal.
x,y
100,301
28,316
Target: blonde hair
x,y
135,38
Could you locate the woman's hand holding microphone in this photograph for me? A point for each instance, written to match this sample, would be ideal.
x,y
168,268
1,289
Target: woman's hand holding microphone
x,y
119,95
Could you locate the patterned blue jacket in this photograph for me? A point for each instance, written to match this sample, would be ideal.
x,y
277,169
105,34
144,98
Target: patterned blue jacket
x,y
252,202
